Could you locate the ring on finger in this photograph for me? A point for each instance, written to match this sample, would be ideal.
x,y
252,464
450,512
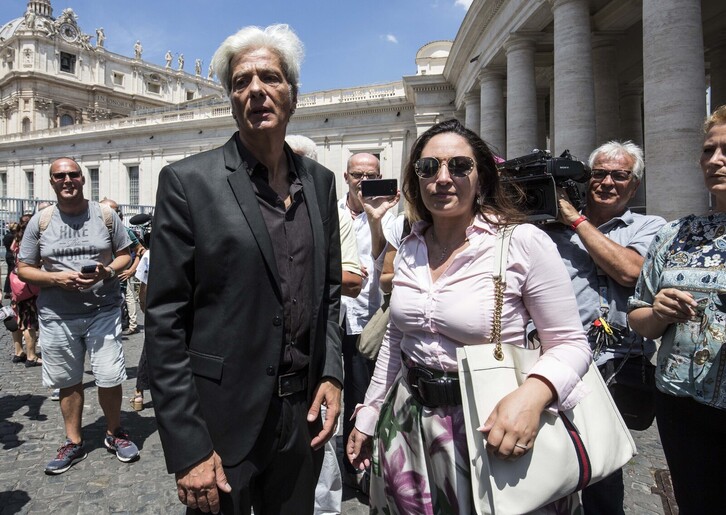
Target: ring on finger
x,y
523,447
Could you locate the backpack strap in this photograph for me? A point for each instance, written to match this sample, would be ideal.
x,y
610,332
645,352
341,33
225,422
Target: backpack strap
x,y
45,216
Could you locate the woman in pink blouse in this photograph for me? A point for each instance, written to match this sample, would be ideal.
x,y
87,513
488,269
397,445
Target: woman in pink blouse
x,y
443,297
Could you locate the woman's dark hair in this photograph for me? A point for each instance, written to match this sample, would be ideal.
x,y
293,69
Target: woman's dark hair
x,y
493,201
22,224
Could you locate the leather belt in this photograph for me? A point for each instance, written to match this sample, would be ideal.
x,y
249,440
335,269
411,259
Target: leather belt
x,y
430,387
294,382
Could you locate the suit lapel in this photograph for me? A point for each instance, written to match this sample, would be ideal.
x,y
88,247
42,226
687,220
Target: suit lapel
x,y
239,181
316,224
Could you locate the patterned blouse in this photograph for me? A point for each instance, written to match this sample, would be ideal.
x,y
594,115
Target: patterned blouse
x,y
690,254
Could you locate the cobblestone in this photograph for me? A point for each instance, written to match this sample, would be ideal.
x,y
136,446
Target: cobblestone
x,y
31,430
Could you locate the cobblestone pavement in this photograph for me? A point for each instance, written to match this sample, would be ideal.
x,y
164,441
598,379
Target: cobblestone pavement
x,y
31,429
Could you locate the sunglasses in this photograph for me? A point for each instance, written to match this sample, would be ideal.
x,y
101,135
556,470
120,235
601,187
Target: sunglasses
x,y
617,175
359,175
59,176
458,166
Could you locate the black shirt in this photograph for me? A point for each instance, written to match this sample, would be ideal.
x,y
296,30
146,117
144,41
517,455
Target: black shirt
x,y
292,243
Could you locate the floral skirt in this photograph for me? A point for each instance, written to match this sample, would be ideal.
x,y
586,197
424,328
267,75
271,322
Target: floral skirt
x,y
421,461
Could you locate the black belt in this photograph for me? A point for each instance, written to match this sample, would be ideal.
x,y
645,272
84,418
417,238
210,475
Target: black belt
x,y
432,388
294,382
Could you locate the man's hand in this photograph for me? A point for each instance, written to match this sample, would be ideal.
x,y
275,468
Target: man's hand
x,y
197,486
126,274
567,212
328,394
359,449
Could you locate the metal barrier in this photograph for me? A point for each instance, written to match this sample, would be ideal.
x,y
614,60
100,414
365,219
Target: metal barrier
x,y
11,209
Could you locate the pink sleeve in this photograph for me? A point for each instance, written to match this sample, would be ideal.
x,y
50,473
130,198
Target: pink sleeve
x,y
549,299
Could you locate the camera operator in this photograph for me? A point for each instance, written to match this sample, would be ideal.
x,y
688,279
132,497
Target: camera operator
x,y
603,248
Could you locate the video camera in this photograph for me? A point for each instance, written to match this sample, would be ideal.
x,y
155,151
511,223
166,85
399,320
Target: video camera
x,y
539,175
143,221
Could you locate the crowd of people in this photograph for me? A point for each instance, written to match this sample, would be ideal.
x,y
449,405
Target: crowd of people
x,y
262,282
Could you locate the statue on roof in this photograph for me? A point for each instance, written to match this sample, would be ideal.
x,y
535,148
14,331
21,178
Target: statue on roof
x,y
100,37
181,61
168,57
197,66
138,49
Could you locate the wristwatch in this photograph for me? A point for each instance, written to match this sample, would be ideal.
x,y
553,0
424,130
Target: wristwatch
x,y
111,272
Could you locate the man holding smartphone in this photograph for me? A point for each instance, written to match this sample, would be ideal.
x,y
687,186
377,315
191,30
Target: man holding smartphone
x,y
79,308
371,221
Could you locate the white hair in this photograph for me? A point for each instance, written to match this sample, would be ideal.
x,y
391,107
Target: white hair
x,y
302,145
279,38
614,149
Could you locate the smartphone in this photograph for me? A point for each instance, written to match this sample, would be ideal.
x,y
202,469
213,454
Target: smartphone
x,y
379,187
88,269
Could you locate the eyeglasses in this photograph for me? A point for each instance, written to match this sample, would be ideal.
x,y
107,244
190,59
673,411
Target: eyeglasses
x,y
59,176
617,175
359,175
458,166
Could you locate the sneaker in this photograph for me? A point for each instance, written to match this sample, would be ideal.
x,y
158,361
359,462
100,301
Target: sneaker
x,y
68,455
120,444
55,394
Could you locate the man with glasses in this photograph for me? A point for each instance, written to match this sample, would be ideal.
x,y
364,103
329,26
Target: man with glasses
x,y
73,251
372,222
603,247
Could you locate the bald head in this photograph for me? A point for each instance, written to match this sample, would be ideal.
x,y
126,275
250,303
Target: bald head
x,y
364,161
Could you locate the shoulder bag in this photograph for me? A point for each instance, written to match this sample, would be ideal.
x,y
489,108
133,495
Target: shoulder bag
x,y
573,449
21,290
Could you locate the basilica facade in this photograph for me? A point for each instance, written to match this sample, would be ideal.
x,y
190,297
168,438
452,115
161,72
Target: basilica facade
x,y
524,74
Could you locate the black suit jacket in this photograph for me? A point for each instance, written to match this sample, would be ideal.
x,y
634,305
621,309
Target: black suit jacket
x,y
214,321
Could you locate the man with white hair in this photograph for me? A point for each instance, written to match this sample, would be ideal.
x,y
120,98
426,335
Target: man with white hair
x,y
243,342
603,247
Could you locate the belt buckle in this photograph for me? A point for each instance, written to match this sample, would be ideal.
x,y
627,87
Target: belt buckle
x,y
280,379
416,374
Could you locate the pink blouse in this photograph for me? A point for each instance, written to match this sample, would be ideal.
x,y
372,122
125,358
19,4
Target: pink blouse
x,y
429,320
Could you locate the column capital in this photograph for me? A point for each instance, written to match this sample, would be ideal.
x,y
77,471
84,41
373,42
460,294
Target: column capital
x,y
471,96
490,73
519,41
558,3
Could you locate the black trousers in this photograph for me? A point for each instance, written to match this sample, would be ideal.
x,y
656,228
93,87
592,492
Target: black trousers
x,y
357,371
606,497
280,473
693,436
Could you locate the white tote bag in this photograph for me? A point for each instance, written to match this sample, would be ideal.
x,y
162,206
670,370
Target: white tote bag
x,y
573,449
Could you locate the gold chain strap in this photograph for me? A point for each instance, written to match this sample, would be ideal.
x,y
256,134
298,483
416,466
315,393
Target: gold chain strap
x,y
497,322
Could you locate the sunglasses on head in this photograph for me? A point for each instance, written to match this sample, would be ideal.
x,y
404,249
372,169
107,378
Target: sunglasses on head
x,y
458,166
59,176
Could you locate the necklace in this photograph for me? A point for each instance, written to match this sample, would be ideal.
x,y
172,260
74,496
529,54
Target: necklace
x,y
445,248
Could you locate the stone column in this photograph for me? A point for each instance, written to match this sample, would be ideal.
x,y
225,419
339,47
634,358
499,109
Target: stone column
x,y
541,120
605,77
717,70
574,96
552,115
493,125
521,97
631,115
674,95
473,112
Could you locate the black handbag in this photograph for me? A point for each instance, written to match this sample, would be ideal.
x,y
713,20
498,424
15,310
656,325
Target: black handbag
x,y
631,381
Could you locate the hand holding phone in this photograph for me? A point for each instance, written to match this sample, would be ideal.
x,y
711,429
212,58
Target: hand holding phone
x,y
379,187
88,269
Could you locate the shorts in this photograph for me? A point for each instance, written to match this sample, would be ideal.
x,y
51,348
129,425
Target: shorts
x,y
65,343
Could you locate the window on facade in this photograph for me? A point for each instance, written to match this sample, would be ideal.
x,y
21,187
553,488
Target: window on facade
x,y
66,120
190,95
153,88
67,62
118,79
26,125
3,184
30,182
133,185
93,176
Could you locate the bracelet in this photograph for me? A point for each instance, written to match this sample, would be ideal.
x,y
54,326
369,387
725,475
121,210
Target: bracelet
x,y
577,222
